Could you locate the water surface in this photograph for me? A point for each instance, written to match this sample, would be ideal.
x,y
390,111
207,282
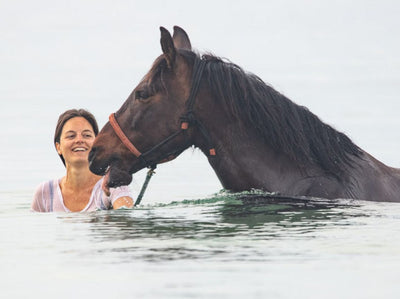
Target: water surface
x,y
215,247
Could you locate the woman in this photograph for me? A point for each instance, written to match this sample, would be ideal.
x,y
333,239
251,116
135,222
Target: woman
x,y
79,190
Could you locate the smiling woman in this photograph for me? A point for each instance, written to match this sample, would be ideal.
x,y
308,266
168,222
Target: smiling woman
x,y
79,190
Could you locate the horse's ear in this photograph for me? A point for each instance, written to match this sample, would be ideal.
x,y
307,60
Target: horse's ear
x,y
167,45
181,39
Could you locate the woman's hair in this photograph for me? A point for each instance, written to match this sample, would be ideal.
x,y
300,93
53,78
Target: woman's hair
x,y
66,116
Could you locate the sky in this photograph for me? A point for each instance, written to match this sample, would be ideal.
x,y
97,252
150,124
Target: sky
x,y
338,58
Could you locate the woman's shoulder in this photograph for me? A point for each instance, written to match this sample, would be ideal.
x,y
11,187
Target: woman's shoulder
x,y
47,185
44,195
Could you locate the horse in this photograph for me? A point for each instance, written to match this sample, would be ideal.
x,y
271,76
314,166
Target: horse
x,y
253,136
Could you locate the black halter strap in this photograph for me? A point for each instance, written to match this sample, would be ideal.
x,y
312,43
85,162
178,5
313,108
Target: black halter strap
x,y
196,78
187,119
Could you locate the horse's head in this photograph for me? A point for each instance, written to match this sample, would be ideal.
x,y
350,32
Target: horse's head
x,y
151,117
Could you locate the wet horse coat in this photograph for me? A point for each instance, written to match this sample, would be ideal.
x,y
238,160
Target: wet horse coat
x,y
262,139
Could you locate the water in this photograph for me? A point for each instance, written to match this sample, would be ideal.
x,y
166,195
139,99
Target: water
x,y
216,247
189,239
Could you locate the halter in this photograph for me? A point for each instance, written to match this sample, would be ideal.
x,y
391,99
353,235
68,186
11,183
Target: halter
x,y
186,119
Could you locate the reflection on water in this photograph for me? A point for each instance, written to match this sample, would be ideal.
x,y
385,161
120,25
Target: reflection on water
x,y
203,248
224,227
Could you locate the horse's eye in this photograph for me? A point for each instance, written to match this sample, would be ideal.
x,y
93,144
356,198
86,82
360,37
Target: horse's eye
x,y
141,94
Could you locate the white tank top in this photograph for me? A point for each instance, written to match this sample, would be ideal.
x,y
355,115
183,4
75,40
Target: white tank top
x,y
48,197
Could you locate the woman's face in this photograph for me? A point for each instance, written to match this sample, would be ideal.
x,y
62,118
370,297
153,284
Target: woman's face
x,y
76,141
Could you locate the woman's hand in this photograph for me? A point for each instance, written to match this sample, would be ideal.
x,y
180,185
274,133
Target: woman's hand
x,y
123,202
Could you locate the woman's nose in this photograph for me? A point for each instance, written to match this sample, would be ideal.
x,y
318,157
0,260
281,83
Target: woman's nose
x,y
79,138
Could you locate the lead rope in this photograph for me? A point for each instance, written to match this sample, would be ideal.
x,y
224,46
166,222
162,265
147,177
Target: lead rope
x,y
186,119
146,182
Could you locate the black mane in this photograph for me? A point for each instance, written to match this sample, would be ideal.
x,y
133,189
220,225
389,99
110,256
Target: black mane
x,y
284,125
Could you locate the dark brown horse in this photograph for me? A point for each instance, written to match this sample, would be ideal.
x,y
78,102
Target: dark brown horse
x,y
254,137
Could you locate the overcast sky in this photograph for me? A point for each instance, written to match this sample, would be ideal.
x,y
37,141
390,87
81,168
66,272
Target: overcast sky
x,y
339,58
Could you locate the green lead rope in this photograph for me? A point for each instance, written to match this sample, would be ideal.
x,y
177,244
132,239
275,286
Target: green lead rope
x,y
146,182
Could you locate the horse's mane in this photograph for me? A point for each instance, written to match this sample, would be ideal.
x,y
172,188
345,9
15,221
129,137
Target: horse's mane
x,y
284,125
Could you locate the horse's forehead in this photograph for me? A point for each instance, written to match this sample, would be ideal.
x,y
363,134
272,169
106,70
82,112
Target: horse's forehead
x,y
155,68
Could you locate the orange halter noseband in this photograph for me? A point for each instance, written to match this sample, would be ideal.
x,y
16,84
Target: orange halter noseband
x,y
125,140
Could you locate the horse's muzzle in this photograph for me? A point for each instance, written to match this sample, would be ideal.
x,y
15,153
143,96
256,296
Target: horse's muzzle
x,y
95,165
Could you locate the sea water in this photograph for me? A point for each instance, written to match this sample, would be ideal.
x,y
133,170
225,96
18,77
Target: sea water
x,y
215,247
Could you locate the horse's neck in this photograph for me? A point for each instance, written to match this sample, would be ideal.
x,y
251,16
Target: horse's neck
x,y
243,162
